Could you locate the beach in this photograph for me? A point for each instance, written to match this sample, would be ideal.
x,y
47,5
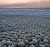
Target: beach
x,y
24,31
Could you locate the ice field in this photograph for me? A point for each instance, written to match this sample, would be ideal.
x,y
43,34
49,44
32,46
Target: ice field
x,y
24,31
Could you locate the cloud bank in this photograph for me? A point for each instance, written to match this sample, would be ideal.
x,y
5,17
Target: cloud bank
x,y
24,3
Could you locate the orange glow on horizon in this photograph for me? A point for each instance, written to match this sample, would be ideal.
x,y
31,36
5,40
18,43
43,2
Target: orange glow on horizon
x,y
20,1
15,2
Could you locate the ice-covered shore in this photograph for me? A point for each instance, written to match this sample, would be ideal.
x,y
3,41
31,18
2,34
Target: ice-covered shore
x,y
24,31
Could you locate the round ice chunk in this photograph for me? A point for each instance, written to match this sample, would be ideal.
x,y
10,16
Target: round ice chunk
x,y
29,39
35,41
45,41
21,44
26,45
42,45
9,42
3,41
19,40
42,35
26,41
11,46
32,45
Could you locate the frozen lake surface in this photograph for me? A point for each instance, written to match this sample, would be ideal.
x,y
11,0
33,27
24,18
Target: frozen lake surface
x,y
36,12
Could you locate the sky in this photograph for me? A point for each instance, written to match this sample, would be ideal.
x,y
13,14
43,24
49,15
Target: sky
x,y
24,3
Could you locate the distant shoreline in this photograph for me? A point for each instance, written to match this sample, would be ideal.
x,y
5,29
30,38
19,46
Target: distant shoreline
x,y
24,8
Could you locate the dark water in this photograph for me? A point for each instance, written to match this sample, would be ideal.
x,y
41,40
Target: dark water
x,y
37,12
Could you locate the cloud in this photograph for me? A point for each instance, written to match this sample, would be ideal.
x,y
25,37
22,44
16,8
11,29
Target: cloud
x,y
20,1
29,4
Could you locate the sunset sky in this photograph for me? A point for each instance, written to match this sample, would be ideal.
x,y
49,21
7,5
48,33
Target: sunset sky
x,y
24,3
